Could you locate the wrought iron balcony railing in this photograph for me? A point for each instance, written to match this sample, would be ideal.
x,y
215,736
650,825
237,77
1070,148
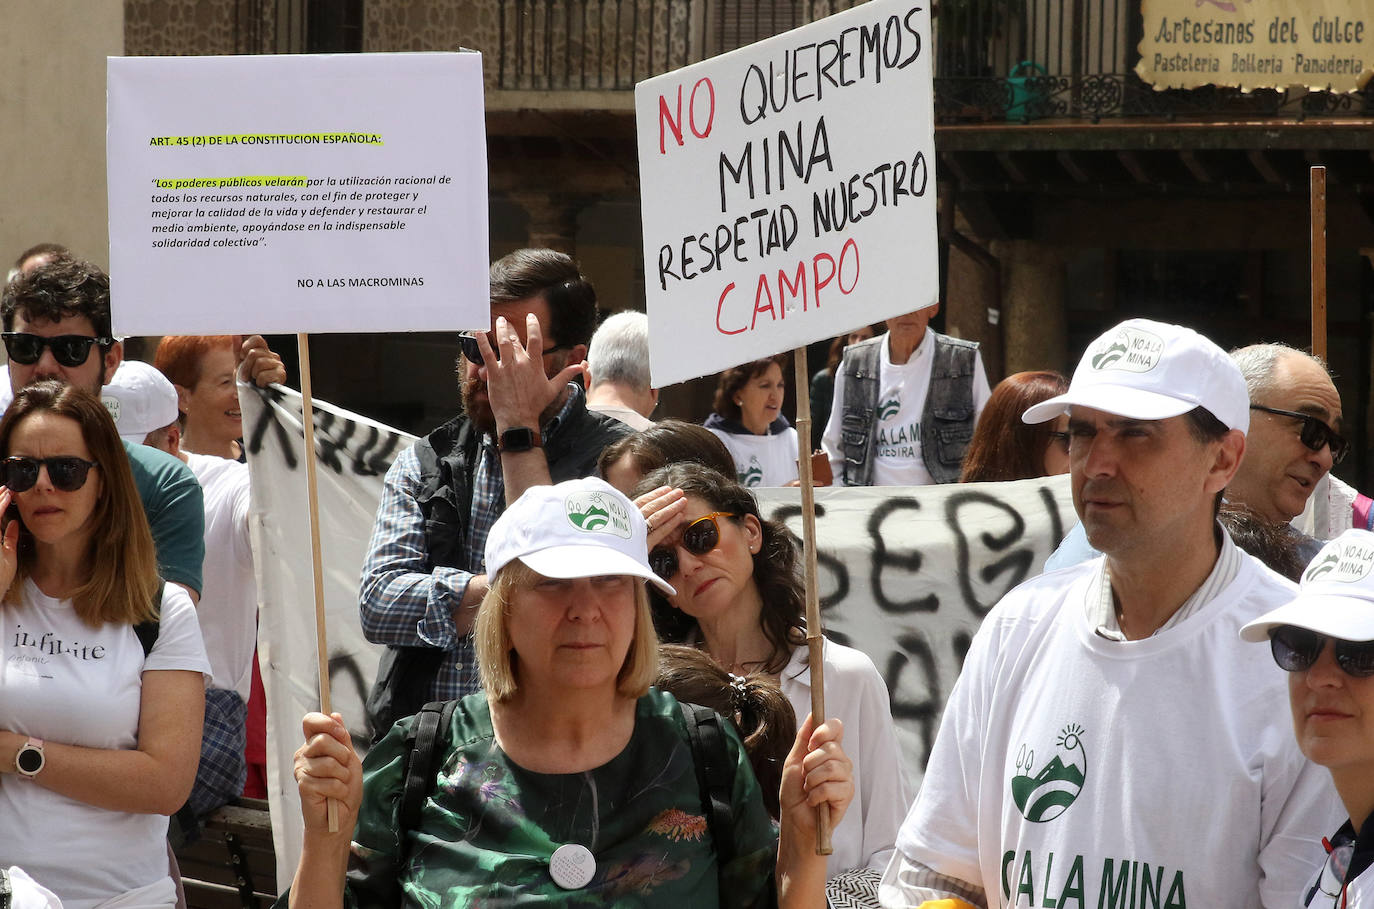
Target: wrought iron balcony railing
x,y
995,60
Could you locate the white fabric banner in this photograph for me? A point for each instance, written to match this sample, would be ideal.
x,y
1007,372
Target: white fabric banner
x,y
906,575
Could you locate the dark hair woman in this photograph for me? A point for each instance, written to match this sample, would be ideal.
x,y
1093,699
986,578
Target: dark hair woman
x,y
748,419
737,586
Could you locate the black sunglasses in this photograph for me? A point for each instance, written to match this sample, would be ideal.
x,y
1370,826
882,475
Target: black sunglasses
x,y
1314,433
67,473
698,538
1296,649
69,350
473,354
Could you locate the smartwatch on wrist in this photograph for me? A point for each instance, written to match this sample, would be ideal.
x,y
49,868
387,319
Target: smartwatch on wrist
x,y
517,439
29,760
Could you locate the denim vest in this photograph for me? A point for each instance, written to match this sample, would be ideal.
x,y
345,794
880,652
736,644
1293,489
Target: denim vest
x,y
946,420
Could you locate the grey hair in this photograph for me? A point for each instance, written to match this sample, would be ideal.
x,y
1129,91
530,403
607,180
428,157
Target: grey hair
x,y
1258,363
619,351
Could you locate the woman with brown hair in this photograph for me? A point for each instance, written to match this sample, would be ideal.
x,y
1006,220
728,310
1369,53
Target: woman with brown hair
x,y
737,583
1004,447
748,419
102,669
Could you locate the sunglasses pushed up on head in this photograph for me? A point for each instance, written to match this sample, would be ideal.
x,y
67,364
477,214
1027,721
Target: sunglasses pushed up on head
x,y
66,473
68,350
1297,649
698,538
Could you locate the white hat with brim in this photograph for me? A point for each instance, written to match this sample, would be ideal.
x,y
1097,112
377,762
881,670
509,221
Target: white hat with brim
x,y
577,529
1147,370
1121,400
580,561
1335,596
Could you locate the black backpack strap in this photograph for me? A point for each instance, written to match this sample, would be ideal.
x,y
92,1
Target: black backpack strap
x,y
147,631
715,776
426,739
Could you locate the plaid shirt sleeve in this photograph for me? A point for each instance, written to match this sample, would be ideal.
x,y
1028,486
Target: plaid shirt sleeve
x,y
405,603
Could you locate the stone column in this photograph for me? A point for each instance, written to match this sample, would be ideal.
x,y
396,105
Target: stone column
x,y
1034,324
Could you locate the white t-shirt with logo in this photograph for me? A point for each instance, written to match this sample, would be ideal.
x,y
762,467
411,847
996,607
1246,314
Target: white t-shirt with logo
x,y
229,601
902,391
64,681
769,460
1071,770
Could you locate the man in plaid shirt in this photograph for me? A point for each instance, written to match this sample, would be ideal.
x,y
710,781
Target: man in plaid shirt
x,y
524,423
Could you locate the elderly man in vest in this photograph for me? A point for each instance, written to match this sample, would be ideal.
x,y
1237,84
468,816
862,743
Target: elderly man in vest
x,y
905,406
524,423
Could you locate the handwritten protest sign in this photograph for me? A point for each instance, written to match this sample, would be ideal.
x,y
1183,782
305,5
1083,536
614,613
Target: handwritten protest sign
x,y
297,193
906,575
1321,44
788,190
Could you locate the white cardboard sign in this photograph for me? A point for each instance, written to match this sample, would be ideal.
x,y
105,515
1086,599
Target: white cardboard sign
x,y
788,190
286,193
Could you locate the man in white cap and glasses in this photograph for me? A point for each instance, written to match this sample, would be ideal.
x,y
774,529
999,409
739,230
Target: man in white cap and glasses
x,y
1325,640
1110,741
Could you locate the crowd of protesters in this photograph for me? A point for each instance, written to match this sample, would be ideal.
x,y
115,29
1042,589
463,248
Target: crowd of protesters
x,y
550,567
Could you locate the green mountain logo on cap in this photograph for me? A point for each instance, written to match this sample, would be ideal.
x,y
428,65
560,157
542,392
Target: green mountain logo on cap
x,y
1045,794
597,512
1129,350
1346,564
889,407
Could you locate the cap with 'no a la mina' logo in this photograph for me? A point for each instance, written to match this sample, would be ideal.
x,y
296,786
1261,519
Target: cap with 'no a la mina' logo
x,y
1147,370
1335,596
576,529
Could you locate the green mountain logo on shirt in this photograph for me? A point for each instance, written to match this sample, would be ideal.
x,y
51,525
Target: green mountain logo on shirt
x,y
753,474
1129,350
889,408
596,512
1044,794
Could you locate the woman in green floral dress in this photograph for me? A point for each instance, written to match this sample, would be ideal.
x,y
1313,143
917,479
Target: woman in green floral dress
x,y
569,781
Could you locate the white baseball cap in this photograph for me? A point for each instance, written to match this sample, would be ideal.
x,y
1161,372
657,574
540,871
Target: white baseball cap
x,y
141,399
1146,370
1335,596
576,529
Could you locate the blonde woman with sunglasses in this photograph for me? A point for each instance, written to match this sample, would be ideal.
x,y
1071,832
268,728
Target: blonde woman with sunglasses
x,y
1324,639
99,726
737,581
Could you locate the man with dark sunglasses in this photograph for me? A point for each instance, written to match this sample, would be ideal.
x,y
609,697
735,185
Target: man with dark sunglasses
x,y
1295,438
1324,639
56,320
1110,740
524,423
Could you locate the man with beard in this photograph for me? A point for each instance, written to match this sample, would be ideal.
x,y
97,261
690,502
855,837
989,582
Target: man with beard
x,y
1109,733
524,423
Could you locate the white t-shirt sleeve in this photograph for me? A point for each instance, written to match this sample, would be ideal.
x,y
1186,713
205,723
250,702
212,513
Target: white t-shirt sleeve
x,y
179,644
886,796
941,830
1295,800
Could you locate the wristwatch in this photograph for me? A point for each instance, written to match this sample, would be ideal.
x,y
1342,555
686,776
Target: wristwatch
x,y
520,438
29,760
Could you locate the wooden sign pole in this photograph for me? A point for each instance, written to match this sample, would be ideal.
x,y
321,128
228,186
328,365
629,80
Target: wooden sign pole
x,y
814,640
321,642
1318,194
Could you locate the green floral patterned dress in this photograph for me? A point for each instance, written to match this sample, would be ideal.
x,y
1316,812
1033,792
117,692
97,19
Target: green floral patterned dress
x,y
490,826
